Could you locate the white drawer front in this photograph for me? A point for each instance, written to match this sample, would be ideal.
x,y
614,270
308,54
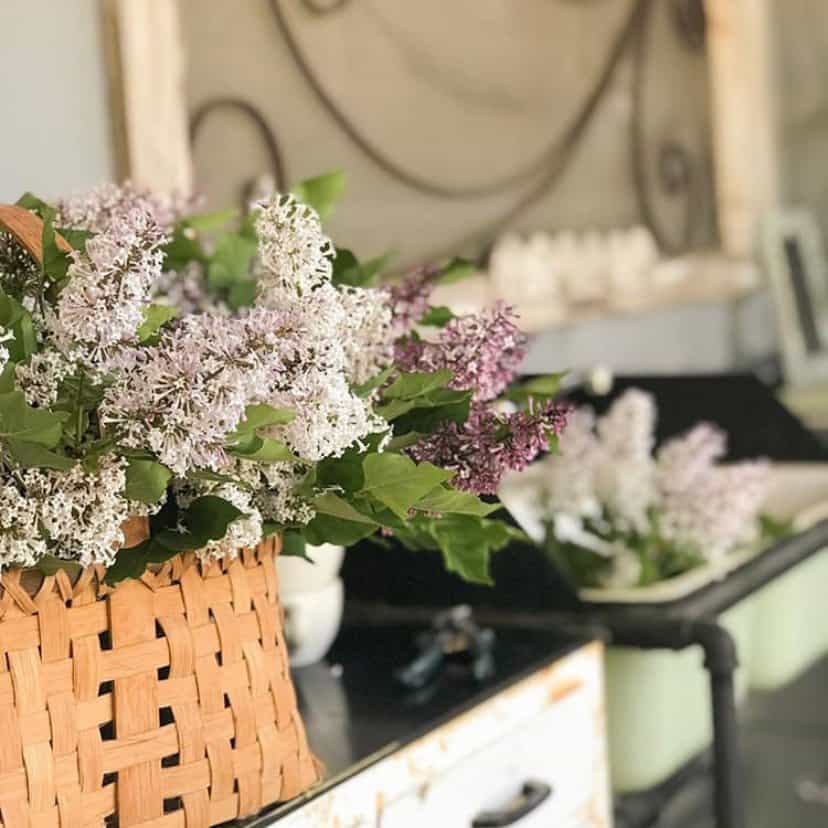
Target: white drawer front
x,y
547,728
556,748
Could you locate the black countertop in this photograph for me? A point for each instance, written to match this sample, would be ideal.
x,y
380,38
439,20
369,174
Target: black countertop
x,y
355,714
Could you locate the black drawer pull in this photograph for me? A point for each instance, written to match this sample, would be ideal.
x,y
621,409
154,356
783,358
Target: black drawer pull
x,y
532,795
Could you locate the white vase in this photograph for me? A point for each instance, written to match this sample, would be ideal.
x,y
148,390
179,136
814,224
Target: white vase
x,y
312,595
298,575
312,622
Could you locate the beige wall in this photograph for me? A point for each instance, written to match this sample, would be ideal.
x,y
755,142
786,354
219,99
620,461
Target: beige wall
x,y
460,93
801,60
54,130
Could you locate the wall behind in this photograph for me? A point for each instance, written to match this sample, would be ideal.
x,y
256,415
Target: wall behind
x,y
461,95
55,124
801,62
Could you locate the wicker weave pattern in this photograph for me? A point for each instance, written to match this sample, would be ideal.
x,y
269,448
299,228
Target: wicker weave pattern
x,y
164,703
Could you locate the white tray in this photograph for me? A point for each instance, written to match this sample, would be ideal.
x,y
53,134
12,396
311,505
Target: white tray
x,y
797,490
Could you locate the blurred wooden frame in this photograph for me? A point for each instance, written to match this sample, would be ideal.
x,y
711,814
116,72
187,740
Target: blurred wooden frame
x,y
146,58
794,258
148,102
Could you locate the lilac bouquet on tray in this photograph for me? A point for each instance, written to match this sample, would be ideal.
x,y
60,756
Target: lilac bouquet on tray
x,y
619,514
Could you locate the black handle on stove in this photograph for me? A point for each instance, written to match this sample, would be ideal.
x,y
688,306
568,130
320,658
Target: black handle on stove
x,y
532,795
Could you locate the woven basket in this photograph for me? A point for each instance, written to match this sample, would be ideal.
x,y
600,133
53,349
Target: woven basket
x,y
160,703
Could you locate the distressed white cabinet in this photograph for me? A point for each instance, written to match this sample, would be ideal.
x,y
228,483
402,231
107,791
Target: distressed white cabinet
x,y
546,729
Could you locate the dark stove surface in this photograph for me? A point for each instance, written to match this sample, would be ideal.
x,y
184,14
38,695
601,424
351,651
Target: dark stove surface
x,y
355,713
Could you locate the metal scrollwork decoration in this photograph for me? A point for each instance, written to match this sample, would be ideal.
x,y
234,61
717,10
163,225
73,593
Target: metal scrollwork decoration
x,y
268,136
320,7
677,173
691,23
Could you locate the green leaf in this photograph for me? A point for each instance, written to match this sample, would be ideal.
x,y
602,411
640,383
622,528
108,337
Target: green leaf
x,y
398,482
263,450
544,387
467,543
30,201
15,318
32,455
7,377
347,270
335,506
294,546
215,477
343,472
407,386
327,529
19,421
207,222
94,451
403,441
321,192
446,500
51,565
55,262
155,317
183,248
456,270
270,527
146,480
242,295
76,238
369,386
438,316
231,261
262,415
429,412
132,562
208,517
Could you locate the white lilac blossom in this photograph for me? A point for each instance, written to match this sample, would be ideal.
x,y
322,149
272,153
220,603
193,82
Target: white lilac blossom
x,y
338,333
366,332
98,209
71,514
186,291
275,486
704,503
110,284
626,473
295,255
606,482
329,416
40,378
183,397
569,479
21,543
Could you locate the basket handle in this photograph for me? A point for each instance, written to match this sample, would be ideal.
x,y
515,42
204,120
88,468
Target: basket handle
x,y
27,228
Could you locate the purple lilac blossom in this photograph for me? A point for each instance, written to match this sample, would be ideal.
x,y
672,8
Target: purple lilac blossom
x,y
488,445
409,298
483,352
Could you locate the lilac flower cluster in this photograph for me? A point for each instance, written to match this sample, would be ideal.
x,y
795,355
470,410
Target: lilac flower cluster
x,y
706,504
102,305
111,204
483,352
184,397
488,445
606,480
409,299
